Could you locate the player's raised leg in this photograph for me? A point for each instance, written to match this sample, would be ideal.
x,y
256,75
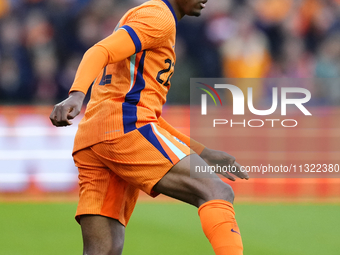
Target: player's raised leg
x,y
212,196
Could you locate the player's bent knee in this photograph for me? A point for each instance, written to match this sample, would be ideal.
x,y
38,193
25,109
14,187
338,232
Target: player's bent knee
x,y
228,193
220,191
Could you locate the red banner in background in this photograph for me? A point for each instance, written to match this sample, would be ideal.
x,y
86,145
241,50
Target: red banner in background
x,y
36,161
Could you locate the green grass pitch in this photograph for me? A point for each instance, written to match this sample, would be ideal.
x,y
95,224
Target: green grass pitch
x,y
174,228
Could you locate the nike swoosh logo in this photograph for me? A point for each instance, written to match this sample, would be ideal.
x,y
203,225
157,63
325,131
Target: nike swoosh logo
x,y
232,230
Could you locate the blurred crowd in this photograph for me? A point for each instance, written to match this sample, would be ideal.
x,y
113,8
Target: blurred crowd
x,y
42,42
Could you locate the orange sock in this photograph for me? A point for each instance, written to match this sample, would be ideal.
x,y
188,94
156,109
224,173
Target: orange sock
x,y
220,227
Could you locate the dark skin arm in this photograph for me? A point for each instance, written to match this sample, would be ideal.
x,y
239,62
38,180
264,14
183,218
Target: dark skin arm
x,y
67,110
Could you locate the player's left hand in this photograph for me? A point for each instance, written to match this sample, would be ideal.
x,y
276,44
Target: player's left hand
x,y
221,158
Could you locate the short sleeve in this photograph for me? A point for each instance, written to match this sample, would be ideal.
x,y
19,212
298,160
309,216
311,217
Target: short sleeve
x,y
150,26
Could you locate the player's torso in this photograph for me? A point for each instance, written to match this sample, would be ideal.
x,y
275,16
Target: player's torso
x,y
129,94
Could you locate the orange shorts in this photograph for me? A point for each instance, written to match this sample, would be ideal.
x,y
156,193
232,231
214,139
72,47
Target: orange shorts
x,y
111,173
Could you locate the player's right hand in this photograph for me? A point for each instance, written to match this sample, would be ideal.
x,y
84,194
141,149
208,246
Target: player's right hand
x,y
215,157
68,109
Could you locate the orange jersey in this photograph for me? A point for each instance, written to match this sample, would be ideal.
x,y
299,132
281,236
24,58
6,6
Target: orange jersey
x,y
130,93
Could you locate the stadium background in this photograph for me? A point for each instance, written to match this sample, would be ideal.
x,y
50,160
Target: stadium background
x,y
41,44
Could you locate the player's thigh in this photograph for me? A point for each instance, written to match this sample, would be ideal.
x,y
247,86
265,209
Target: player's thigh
x,y
143,156
178,184
102,235
102,192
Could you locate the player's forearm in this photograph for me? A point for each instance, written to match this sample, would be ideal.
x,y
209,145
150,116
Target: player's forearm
x,y
94,60
194,145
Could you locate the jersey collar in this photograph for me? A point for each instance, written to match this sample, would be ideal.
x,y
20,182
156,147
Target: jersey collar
x,y
171,9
